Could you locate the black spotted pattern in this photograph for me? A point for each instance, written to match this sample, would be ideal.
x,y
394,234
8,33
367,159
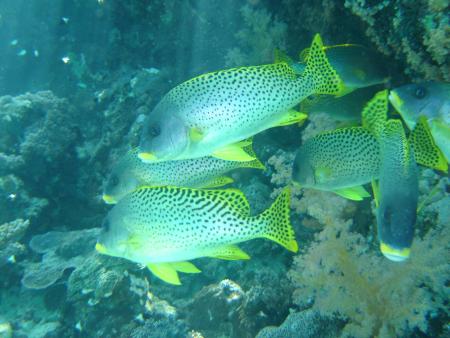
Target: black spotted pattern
x,y
347,156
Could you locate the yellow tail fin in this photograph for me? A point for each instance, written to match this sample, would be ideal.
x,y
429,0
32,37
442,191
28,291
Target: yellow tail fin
x,y
325,78
426,152
277,222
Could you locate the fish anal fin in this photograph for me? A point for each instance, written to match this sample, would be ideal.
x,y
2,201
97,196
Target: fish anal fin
x,y
217,182
357,193
256,163
234,152
165,272
292,116
228,252
186,267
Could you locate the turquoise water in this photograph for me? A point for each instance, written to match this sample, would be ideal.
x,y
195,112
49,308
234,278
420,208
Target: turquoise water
x,y
78,82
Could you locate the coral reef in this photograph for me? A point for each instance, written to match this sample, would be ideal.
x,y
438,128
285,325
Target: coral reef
x,y
305,324
215,308
345,276
57,146
10,235
61,251
416,33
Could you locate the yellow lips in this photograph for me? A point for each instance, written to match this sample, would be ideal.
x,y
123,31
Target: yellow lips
x,y
395,100
109,199
147,157
396,255
100,248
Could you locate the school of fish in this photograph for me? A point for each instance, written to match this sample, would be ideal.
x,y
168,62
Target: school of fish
x,y
166,211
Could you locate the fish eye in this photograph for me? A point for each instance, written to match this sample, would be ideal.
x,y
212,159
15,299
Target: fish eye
x,y
105,225
154,130
420,92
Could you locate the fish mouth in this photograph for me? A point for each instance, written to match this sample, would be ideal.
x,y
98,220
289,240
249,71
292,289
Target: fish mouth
x,y
100,248
393,254
108,199
395,100
147,157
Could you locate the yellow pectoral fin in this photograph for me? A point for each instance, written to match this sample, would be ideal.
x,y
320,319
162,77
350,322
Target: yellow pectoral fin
x,y
186,267
357,193
228,252
292,116
165,272
376,193
234,152
100,248
108,199
195,134
217,182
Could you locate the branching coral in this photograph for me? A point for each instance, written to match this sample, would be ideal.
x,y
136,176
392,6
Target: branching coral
x,y
346,277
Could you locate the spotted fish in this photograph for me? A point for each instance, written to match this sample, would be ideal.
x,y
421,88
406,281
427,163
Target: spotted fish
x,y
211,114
130,173
356,65
340,160
165,227
430,100
397,193
344,159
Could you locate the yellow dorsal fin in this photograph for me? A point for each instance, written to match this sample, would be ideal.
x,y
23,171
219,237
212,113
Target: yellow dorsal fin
x,y
426,152
281,56
374,114
186,267
235,199
357,193
303,55
165,272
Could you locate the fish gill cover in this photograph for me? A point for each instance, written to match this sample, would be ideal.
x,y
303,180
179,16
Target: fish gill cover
x,y
78,80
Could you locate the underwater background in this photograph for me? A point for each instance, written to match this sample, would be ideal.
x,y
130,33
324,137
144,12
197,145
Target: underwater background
x,y
77,79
